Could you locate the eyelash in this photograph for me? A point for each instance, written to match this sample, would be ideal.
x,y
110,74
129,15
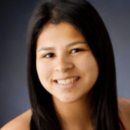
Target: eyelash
x,y
73,49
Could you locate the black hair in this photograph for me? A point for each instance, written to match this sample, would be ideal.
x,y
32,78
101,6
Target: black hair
x,y
84,17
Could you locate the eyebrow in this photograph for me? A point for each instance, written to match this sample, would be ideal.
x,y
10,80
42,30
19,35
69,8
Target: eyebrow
x,y
69,45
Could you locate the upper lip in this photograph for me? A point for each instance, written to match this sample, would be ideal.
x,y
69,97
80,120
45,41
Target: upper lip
x,y
68,77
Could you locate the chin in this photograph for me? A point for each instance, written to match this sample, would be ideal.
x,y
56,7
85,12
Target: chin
x,y
68,99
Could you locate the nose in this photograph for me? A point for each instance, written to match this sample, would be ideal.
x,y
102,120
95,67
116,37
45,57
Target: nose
x,y
63,64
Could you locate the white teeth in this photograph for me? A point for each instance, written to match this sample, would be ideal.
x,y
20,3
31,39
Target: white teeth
x,y
67,81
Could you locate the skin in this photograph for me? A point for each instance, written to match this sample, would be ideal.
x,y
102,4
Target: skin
x,y
73,103
65,60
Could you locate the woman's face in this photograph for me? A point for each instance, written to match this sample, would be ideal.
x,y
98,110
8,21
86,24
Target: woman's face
x,y
65,64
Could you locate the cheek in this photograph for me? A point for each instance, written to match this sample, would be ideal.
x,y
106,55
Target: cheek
x,y
88,66
44,71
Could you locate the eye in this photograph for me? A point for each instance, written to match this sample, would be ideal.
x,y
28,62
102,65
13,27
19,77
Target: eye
x,y
76,50
49,55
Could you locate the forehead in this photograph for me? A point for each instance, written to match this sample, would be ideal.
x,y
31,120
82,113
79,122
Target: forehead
x,y
58,33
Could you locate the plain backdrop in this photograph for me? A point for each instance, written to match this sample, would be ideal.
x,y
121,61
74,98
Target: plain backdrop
x,y
14,17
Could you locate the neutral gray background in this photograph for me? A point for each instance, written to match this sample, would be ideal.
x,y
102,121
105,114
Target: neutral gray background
x,y
14,16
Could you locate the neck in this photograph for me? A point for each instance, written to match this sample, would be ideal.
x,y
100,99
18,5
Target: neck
x,y
75,115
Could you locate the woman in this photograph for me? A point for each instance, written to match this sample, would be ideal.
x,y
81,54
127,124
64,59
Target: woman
x,y
70,89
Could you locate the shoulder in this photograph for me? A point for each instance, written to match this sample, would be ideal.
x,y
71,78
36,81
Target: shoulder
x,y
22,122
124,111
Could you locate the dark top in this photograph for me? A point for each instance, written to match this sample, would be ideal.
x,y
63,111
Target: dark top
x,y
33,125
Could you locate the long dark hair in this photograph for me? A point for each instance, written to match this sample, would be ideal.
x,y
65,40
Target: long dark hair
x,y
83,16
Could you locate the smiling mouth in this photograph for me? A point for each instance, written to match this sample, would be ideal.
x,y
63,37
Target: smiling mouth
x,y
67,81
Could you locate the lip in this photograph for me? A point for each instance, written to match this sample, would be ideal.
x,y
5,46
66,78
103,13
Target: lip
x,y
66,86
68,77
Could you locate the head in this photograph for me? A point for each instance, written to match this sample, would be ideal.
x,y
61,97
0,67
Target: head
x,y
58,24
68,55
